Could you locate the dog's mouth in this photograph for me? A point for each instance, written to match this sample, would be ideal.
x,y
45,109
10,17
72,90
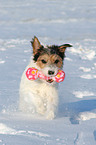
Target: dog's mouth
x,y
50,80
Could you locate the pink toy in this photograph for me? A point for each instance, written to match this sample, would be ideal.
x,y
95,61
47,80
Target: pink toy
x,y
33,74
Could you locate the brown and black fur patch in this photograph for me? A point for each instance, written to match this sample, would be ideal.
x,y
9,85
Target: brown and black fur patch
x,y
40,51
52,59
54,49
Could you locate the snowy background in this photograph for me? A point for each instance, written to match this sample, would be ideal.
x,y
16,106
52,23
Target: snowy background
x,y
53,22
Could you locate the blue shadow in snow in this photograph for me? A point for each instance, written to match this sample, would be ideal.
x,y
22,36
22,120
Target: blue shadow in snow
x,y
94,134
73,109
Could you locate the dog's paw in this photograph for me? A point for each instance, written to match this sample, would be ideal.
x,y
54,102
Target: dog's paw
x,y
50,115
41,111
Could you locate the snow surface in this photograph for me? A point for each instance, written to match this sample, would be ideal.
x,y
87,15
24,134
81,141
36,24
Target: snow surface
x,y
53,22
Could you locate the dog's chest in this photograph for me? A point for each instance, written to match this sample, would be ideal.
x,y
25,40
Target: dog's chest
x,y
43,89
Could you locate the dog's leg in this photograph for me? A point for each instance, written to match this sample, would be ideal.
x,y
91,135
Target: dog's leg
x,y
39,104
52,103
51,109
32,103
26,102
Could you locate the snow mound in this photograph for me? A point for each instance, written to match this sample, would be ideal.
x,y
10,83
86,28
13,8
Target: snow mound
x,y
87,115
85,69
88,76
80,94
4,129
84,53
2,61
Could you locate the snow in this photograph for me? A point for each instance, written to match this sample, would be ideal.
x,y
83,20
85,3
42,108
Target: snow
x,y
2,61
84,53
6,130
87,115
88,76
53,22
80,94
85,69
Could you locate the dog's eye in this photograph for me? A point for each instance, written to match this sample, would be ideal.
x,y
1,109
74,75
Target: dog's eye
x,y
43,61
56,61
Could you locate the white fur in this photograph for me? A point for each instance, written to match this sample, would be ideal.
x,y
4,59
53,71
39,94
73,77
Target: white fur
x,y
38,96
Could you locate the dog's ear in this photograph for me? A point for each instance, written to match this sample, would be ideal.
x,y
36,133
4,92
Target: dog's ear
x,y
35,44
63,47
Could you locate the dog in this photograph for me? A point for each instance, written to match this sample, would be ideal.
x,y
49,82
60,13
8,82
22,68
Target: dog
x,y
41,96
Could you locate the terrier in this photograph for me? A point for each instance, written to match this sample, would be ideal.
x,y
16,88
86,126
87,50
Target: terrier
x,y
41,95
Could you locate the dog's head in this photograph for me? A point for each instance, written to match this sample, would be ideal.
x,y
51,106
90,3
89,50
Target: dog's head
x,y
49,59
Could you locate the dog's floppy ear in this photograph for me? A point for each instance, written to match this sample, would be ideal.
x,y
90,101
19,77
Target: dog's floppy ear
x,y
35,44
63,47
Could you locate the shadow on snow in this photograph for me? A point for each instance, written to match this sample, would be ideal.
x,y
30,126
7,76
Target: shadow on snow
x,y
73,109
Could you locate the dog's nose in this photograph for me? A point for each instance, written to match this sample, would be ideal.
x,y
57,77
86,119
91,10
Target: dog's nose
x,y
51,72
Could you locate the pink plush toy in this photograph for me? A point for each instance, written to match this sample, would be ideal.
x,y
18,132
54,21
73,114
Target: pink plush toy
x,y
33,74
